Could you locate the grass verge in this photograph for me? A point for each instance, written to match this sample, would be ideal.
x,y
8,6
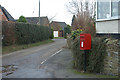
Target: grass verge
x,y
8,49
59,38
91,74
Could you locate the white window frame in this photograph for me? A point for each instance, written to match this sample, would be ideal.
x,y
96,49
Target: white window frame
x,y
106,19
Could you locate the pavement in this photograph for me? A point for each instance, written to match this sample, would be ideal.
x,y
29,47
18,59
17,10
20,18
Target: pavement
x,y
46,61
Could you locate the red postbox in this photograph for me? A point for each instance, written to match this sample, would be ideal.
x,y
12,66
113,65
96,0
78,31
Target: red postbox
x,y
85,41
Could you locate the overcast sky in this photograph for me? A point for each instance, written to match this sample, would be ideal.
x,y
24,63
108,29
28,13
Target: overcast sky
x,y
29,8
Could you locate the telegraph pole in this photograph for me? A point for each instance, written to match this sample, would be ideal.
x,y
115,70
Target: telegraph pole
x,y
39,12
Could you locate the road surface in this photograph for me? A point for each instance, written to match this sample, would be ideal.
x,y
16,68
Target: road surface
x,y
46,61
27,63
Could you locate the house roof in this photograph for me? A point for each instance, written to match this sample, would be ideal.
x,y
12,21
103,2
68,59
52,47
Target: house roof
x,y
7,14
35,20
32,20
56,25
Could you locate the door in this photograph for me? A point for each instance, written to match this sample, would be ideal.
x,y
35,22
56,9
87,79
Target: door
x,y
61,33
55,33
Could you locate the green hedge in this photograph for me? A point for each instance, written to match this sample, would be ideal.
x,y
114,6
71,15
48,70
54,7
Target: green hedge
x,y
67,30
25,33
95,57
52,35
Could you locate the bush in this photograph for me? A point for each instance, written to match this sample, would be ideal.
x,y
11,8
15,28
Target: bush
x,y
28,33
52,35
8,32
22,33
90,28
95,57
67,30
22,19
69,41
76,33
78,55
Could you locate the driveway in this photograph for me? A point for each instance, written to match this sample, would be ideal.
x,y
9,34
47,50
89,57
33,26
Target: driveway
x,y
27,63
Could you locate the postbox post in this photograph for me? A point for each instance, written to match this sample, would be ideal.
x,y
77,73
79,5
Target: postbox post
x,y
85,60
85,44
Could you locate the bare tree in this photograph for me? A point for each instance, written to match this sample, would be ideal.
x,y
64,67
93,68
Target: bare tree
x,y
80,6
50,19
83,11
74,7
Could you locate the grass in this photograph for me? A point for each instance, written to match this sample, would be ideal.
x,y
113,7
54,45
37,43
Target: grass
x,y
91,74
8,49
59,38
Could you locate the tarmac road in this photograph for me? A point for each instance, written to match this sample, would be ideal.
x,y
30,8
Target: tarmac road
x,y
27,63
46,61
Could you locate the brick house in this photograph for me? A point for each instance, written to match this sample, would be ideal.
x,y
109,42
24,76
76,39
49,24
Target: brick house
x,y
5,15
58,28
34,20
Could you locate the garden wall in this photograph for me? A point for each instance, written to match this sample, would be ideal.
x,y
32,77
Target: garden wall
x,y
111,62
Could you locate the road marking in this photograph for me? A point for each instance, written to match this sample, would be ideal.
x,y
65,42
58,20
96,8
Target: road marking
x,y
51,56
56,53
44,61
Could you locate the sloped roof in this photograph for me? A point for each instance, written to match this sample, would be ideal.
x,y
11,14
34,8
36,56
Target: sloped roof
x,y
7,14
35,20
57,25
32,20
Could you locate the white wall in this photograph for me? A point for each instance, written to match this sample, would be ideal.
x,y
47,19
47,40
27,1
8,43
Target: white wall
x,y
111,26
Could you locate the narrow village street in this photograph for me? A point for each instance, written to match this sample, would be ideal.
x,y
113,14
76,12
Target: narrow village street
x,y
28,62
65,39
46,61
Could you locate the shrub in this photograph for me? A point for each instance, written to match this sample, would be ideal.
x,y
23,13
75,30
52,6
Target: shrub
x,y
22,33
78,55
8,32
95,57
22,19
76,33
69,41
67,30
28,33
52,35
90,28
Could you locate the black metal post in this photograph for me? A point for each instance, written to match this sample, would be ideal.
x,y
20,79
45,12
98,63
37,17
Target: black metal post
x,y
85,60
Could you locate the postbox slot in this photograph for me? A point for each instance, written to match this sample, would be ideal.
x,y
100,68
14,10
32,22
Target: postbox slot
x,y
82,40
82,36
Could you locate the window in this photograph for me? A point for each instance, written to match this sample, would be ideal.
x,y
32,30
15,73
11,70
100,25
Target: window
x,y
119,8
103,10
108,9
115,8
